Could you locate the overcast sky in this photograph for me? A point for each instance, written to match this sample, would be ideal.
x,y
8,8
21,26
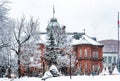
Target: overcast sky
x,y
97,17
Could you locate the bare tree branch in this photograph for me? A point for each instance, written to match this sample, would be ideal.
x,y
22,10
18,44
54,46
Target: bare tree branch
x,y
27,38
23,32
2,44
14,50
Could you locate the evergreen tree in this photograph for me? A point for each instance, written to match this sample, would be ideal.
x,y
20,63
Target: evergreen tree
x,y
50,54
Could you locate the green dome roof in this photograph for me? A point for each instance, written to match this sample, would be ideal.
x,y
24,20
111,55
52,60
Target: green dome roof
x,y
53,23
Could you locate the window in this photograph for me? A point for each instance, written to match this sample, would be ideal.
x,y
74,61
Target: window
x,y
80,52
90,52
85,53
114,59
105,60
85,66
96,68
80,66
109,59
95,54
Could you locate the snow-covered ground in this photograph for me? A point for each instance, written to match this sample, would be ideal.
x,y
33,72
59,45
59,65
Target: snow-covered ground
x,y
67,78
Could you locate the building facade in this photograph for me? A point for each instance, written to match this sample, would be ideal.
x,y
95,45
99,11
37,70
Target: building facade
x,y
31,59
86,53
89,55
110,53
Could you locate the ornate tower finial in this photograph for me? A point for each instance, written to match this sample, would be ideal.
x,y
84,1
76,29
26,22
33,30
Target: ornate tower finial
x,y
53,11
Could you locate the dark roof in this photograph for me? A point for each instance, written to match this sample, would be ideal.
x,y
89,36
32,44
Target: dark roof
x,y
110,45
109,41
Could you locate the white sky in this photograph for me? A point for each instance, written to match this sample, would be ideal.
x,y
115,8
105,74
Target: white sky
x,y
98,17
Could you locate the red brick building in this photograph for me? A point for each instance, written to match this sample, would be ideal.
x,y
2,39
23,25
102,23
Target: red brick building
x,y
31,60
88,54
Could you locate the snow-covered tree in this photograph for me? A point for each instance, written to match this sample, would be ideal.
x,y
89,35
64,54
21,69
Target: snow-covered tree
x,y
23,32
63,38
50,54
2,44
61,50
5,34
30,57
66,58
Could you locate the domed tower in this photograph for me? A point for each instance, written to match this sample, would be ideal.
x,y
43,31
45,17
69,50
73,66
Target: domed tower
x,y
54,29
53,26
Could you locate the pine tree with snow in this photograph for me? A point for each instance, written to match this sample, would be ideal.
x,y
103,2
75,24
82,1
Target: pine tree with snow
x,y
50,54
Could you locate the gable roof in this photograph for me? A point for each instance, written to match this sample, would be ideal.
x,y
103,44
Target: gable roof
x,y
86,40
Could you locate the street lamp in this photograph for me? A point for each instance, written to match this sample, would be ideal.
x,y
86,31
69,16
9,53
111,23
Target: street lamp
x,y
43,66
70,66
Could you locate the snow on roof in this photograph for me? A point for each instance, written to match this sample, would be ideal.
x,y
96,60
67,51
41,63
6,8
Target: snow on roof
x,y
85,40
43,37
42,40
39,41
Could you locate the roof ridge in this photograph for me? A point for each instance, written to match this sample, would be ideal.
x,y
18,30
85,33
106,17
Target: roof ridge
x,y
90,40
85,40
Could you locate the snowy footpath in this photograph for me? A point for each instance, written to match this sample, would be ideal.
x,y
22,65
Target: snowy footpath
x,y
67,78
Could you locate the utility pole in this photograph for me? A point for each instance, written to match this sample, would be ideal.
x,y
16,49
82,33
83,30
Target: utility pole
x,y
118,41
118,35
70,68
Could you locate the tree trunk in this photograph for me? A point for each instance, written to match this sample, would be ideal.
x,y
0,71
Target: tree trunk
x,y
19,71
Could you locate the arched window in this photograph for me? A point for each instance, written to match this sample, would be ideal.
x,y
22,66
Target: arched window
x,y
80,52
86,66
85,53
90,53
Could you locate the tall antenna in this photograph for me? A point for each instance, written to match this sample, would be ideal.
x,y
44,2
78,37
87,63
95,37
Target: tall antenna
x,y
118,35
53,11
